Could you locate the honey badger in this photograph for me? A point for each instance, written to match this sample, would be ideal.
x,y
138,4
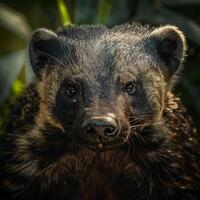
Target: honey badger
x,y
100,120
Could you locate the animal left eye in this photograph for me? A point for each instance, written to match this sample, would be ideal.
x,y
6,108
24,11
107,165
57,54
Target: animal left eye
x,y
71,91
130,88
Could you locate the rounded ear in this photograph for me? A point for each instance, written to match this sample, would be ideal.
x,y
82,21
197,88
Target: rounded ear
x,y
170,47
43,46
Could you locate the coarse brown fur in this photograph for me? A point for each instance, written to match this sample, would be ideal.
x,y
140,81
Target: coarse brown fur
x,y
124,74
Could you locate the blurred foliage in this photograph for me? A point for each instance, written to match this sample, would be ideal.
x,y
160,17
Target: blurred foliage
x,y
19,17
104,9
64,13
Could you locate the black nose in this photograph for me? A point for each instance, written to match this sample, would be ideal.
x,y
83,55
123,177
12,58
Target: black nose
x,y
105,126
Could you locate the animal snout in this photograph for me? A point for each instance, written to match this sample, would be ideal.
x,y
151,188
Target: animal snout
x,y
104,126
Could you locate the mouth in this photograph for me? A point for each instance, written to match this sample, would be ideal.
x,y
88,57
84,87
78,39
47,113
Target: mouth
x,y
105,145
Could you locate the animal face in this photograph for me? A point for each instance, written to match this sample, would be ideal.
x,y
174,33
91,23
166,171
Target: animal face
x,y
104,85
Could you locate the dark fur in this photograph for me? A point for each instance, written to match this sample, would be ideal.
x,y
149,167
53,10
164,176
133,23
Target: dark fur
x,y
45,151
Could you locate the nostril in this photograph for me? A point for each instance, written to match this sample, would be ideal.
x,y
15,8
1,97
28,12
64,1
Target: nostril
x,y
110,131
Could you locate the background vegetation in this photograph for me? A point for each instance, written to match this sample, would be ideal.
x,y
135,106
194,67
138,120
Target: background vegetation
x,y
18,18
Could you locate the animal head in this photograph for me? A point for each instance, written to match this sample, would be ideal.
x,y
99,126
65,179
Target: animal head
x,y
101,84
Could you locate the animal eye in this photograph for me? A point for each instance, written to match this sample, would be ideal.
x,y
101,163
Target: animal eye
x,y
71,90
130,88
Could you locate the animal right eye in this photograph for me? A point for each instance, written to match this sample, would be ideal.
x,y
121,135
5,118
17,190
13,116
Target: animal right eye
x,y
71,90
130,88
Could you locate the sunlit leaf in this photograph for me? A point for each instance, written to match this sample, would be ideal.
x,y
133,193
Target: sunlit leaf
x,y
19,84
17,87
64,13
14,21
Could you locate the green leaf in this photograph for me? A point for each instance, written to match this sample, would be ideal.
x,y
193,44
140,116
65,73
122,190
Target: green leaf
x,y
64,13
15,22
10,67
104,10
180,2
159,15
86,11
194,94
121,11
20,83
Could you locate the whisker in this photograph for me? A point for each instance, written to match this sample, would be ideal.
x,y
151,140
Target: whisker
x,y
54,58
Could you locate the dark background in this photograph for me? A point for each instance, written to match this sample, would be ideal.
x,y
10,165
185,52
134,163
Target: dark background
x,y
18,18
